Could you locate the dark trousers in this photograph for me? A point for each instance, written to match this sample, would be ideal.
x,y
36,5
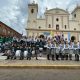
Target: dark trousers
x,y
13,55
8,56
79,51
36,54
29,56
52,56
76,57
70,56
21,55
57,56
61,56
66,56
48,56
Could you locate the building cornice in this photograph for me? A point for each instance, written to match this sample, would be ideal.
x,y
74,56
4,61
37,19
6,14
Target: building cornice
x,y
31,29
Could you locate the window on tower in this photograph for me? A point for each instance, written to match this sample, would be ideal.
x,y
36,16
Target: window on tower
x,y
74,29
57,19
32,10
57,27
74,15
39,27
49,25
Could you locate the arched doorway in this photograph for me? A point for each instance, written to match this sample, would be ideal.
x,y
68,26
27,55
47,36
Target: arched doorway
x,y
73,38
41,36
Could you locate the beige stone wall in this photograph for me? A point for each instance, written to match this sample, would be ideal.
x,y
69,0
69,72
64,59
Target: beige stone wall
x,y
77,12
53,14
49,20
74,24
41,23
63,20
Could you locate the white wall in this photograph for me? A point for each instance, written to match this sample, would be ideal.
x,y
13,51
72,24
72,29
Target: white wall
x,y
74,24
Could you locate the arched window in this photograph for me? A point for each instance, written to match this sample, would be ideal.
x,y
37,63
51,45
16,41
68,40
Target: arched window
x,y
39,27
74,15
49,25
75,29
57,19
32,10
57,27
65,26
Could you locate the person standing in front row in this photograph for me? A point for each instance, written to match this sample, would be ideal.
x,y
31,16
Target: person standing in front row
x,y
61,46
57,51
53,50
77,47
71,50
66,48
48,49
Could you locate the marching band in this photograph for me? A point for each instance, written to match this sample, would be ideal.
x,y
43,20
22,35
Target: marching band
x,y
33,48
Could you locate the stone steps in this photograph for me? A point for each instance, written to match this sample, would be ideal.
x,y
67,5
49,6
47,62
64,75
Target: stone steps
x,y
2,57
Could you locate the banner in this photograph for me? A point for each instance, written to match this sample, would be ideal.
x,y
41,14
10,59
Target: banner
x,y
46,33
51,33
69,36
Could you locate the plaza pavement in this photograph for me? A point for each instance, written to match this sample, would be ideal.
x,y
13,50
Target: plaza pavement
x,y
41,63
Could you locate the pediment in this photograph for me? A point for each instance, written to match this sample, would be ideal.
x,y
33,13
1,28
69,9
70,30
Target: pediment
x,y
57,11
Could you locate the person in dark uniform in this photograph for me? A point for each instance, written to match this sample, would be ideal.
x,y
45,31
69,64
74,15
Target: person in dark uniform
x,y
37,49
9,52
29,53
53,51
13,51
48,50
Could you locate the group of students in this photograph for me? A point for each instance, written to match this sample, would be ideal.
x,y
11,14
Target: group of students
x,y
63,50
54,50
24,49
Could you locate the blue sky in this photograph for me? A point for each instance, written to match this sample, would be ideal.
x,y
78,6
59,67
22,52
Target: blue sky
x,y
14,12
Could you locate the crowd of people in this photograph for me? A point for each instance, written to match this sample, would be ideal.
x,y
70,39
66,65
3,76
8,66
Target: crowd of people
x,y
52,48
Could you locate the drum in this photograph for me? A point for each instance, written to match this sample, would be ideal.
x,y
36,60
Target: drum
x,y
76,54
8,52
66,51
18,52
57,50
53,51
40,49
76,51
33,52
71,51
25,53
63,51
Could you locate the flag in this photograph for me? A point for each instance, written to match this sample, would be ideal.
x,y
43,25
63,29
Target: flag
x,y
69,36
51,33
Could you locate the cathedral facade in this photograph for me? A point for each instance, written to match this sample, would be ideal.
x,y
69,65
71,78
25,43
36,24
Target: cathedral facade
x,y
56,22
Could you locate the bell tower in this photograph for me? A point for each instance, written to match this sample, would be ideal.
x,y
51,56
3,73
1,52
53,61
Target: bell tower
x,y
32,15
76,13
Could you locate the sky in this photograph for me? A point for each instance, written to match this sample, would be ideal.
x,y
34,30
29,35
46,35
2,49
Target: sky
x,y
14,13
